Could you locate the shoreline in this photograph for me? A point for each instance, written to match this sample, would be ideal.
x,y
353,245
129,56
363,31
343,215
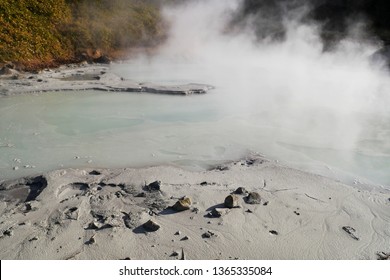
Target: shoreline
x,y
80,77
101,214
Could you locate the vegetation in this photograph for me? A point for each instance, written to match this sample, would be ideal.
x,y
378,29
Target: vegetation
x,y
38,33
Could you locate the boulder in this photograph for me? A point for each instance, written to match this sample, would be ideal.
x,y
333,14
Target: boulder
x,y
217,213
231,201
154,187
240,190
182,204
151,226
253,198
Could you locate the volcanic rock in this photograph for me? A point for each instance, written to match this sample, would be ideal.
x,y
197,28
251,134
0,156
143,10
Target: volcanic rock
x,y
231,201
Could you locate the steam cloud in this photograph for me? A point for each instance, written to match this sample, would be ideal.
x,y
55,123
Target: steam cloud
x,y
335,99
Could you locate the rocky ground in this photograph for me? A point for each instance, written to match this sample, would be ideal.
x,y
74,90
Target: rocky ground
x,y
76,77
249,209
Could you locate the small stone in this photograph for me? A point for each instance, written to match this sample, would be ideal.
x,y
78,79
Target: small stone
x,y
177,232
151,226
273,232
240,190
208,234
92,225
91,241
33,239
154,187
8,232
16,168
231,201
351,231
203,183
249,211
174,254
184,238
182,204
216,213
253,198
383,256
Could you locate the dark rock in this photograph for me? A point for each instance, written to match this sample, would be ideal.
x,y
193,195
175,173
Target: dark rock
x,y
154,187
151,226
90,241
174,254
184,238
249,211
208,234
94,172
182,204
240,190
253,198
92,225
27,208
203,183
8,232
350,231
231,201
273,232
177,232
216,213
35,185
383,256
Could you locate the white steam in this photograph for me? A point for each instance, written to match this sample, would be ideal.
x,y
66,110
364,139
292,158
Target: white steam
x,y
334,100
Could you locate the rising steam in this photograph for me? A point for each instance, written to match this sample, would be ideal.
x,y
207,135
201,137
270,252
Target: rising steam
x,y
334,99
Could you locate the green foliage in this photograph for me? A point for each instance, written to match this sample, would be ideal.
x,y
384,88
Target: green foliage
x,y
112,24
29,29
43,31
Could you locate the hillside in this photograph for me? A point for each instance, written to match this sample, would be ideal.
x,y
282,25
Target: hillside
x,y
40,33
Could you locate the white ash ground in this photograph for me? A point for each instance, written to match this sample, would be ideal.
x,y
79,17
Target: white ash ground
x,y
101,214
85,77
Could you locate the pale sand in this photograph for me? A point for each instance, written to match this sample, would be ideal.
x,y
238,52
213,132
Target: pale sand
x,y
306,214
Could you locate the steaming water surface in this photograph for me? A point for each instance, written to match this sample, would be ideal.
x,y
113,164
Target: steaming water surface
x,y
94,129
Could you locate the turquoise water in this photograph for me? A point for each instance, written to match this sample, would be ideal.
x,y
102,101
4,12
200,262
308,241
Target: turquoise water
x,y
41,132
95,129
